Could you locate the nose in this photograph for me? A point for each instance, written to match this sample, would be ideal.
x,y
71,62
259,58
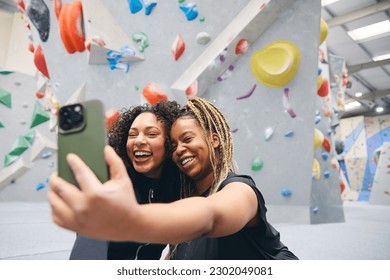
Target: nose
x,y
140,140
180,149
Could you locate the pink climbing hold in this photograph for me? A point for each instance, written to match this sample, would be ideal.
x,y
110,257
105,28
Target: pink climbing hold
x,y
178,47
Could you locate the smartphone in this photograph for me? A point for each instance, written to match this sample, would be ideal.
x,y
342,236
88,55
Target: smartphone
x,y
82,131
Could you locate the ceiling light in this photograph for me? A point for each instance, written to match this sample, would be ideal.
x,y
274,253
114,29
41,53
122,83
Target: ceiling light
x,y
352,105
379,109
370,30
381,57
327,2
358,94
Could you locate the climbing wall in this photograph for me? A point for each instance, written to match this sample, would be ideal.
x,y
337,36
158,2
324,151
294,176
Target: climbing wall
x,y
362,137
377,134
256,60
325,203
352,133
380,193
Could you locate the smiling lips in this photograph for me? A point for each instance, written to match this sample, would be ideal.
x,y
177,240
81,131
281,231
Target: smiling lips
x,y
142,155
186,160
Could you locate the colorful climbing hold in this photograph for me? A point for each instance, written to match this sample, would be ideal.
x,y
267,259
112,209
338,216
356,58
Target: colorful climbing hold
x,y
287,103
19,147
276,64
226,74
46,154
9,159
153,94
268,133
135,6
326,144
40,61
40,94
149,6
39,115
142,39
289,134
5,98
286,192
112,116
242,46
248,94
192,90
70,27
257,164
40,186
318,138
203,38
326,174
178,47
324,88
316,170
39,15
325,156
323,30
190,10
315,210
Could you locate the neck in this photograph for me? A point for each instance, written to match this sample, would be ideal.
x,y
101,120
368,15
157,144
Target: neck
x,y
203,184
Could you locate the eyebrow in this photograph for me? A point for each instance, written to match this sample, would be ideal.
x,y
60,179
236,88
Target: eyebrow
x,y
148,127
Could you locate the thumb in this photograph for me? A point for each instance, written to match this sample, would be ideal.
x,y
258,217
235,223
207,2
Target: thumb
x,y
115,163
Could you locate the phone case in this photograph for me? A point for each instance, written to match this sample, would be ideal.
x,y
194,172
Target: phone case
x,y
88,142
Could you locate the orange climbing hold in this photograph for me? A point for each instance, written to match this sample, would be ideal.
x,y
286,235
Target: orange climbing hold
x,y
326,144
178,47
57,7
40,62
153,94
324,88
70,26
112,116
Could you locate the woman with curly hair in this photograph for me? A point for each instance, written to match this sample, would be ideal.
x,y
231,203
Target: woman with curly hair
x,y
140,137
222,215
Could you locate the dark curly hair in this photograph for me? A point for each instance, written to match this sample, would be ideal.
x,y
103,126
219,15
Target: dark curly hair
x,y
165,111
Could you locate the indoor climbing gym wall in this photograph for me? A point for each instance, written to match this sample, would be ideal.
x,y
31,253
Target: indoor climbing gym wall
x,y
257,60
380,193
325,203
352,133
363,137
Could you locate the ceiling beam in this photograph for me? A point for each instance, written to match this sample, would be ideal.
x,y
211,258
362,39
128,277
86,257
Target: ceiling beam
x,y
373,95
373,9
372,64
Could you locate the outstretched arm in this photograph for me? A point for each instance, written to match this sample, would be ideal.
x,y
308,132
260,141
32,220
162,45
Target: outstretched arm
x,y
110,210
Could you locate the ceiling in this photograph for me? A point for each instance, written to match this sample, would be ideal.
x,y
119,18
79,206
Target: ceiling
x,y
366,76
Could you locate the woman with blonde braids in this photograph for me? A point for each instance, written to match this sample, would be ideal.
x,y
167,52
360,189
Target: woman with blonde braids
x,y
221,216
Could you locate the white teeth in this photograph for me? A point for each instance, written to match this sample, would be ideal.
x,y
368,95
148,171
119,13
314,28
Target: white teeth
x,y
142,154
186,160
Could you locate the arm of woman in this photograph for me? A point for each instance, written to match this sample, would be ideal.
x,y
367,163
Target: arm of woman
x,y
110,210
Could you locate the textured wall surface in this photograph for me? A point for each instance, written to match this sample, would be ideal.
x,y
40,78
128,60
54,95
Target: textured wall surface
x,y
287,160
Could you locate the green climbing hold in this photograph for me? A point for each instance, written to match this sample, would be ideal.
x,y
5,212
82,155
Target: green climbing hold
x,y
257,164
8,159
5,97
39,115
30,137
19,147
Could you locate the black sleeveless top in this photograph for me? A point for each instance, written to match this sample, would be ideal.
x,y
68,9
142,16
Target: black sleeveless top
x,y
147,191
260,242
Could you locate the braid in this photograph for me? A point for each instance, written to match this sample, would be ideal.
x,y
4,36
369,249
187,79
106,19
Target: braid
x,y
212,120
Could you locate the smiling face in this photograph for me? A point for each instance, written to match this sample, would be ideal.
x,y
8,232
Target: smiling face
x,y
190,152
145,145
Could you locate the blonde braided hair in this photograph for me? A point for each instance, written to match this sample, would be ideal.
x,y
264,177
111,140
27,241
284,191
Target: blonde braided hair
x,y
211,120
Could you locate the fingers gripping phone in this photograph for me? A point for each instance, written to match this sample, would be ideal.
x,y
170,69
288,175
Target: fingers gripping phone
x,y
82,131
